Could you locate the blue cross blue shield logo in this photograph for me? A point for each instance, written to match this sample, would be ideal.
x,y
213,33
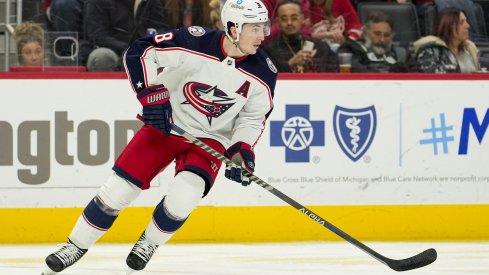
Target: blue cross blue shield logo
x,y
354,130
297,133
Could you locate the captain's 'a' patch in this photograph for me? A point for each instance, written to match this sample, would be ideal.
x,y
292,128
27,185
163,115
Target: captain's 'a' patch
x,y
196,30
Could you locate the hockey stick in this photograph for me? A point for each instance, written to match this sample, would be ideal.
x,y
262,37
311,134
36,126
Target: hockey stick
x,y
422,259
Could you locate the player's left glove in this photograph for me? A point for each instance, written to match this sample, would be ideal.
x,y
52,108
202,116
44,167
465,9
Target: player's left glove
x,y
242,157
157,109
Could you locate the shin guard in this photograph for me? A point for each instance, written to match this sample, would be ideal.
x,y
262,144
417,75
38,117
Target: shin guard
x,y
103,209
170,214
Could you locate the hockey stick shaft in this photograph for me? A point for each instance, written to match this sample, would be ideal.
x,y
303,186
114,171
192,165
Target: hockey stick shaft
x,y
420,260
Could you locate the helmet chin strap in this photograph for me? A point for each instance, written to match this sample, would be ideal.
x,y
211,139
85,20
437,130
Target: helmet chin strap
x,y
236,44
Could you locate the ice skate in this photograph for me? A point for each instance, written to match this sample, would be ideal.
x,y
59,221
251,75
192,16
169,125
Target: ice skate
x,y
67,255
140,254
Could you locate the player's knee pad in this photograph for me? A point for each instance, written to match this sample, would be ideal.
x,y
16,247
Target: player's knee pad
x,y
116,194
184,194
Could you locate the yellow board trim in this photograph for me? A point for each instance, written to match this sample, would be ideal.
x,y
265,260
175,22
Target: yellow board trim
x,y
264,224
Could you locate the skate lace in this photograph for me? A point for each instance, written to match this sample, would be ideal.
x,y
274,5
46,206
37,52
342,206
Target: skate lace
x,y
144,249
69,254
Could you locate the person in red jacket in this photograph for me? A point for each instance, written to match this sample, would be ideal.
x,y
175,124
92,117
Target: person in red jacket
x,y
334,20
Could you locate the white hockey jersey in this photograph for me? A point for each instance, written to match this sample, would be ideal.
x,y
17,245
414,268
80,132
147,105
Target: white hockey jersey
x,y
212,95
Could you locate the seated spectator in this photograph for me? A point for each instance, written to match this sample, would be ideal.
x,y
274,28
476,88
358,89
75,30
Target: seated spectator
x,y
374,51
449,48
332,20
290,52
65,16
215,14
468,8
272,6
111,25
29,38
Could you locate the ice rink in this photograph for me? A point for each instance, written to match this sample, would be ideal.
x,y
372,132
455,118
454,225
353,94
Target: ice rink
x,y
240,259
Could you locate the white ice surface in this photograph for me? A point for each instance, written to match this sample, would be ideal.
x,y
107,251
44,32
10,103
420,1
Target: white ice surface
x,y
307,258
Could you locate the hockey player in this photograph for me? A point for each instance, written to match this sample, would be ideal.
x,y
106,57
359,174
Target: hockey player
x,y
216,85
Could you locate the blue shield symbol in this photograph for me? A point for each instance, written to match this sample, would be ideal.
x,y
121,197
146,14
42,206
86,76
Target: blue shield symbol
x,y
354,130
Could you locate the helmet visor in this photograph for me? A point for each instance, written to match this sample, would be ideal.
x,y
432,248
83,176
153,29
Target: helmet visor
x,y
259,28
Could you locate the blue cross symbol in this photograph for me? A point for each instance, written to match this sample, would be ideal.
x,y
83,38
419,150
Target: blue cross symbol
x,y
297,133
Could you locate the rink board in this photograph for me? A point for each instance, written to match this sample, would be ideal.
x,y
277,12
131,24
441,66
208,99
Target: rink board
x,y
59,139
265,224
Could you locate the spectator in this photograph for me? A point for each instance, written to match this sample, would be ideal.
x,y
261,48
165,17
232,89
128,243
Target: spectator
x,y
449,48
289,51
332,20
468,7
215,14
272,6
29,38
111,25
374,51
65,16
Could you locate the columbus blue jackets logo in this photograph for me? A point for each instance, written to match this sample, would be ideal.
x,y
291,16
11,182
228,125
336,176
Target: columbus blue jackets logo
x,y
271,66
206,99
196,30
354,130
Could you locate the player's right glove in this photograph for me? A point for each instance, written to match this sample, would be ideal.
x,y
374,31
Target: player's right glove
x,y
157,109
242,157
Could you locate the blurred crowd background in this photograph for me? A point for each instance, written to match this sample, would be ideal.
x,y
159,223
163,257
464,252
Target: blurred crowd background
x,y
307,35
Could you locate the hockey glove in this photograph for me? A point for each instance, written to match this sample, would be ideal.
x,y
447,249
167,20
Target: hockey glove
x,y
242,157
157,109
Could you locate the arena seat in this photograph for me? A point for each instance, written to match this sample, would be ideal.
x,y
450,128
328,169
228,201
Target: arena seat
x,y
404,16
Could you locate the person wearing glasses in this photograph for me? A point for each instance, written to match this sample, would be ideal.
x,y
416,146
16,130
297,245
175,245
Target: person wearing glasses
x,y
374,51
292,51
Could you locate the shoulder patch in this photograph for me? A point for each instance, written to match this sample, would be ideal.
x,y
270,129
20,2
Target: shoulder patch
x,y
196,30
271,66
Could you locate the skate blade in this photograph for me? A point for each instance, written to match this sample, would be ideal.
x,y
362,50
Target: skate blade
x,y
130,271
48,271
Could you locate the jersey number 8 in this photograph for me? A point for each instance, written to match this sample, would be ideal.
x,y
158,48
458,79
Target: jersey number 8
x,y
163,37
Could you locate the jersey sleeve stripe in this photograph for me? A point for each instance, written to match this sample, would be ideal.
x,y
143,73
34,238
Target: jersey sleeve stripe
x,y
139,69
259,136
270,99
127,72
143,62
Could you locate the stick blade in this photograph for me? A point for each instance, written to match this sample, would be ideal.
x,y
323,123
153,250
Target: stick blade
x,y
422,259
